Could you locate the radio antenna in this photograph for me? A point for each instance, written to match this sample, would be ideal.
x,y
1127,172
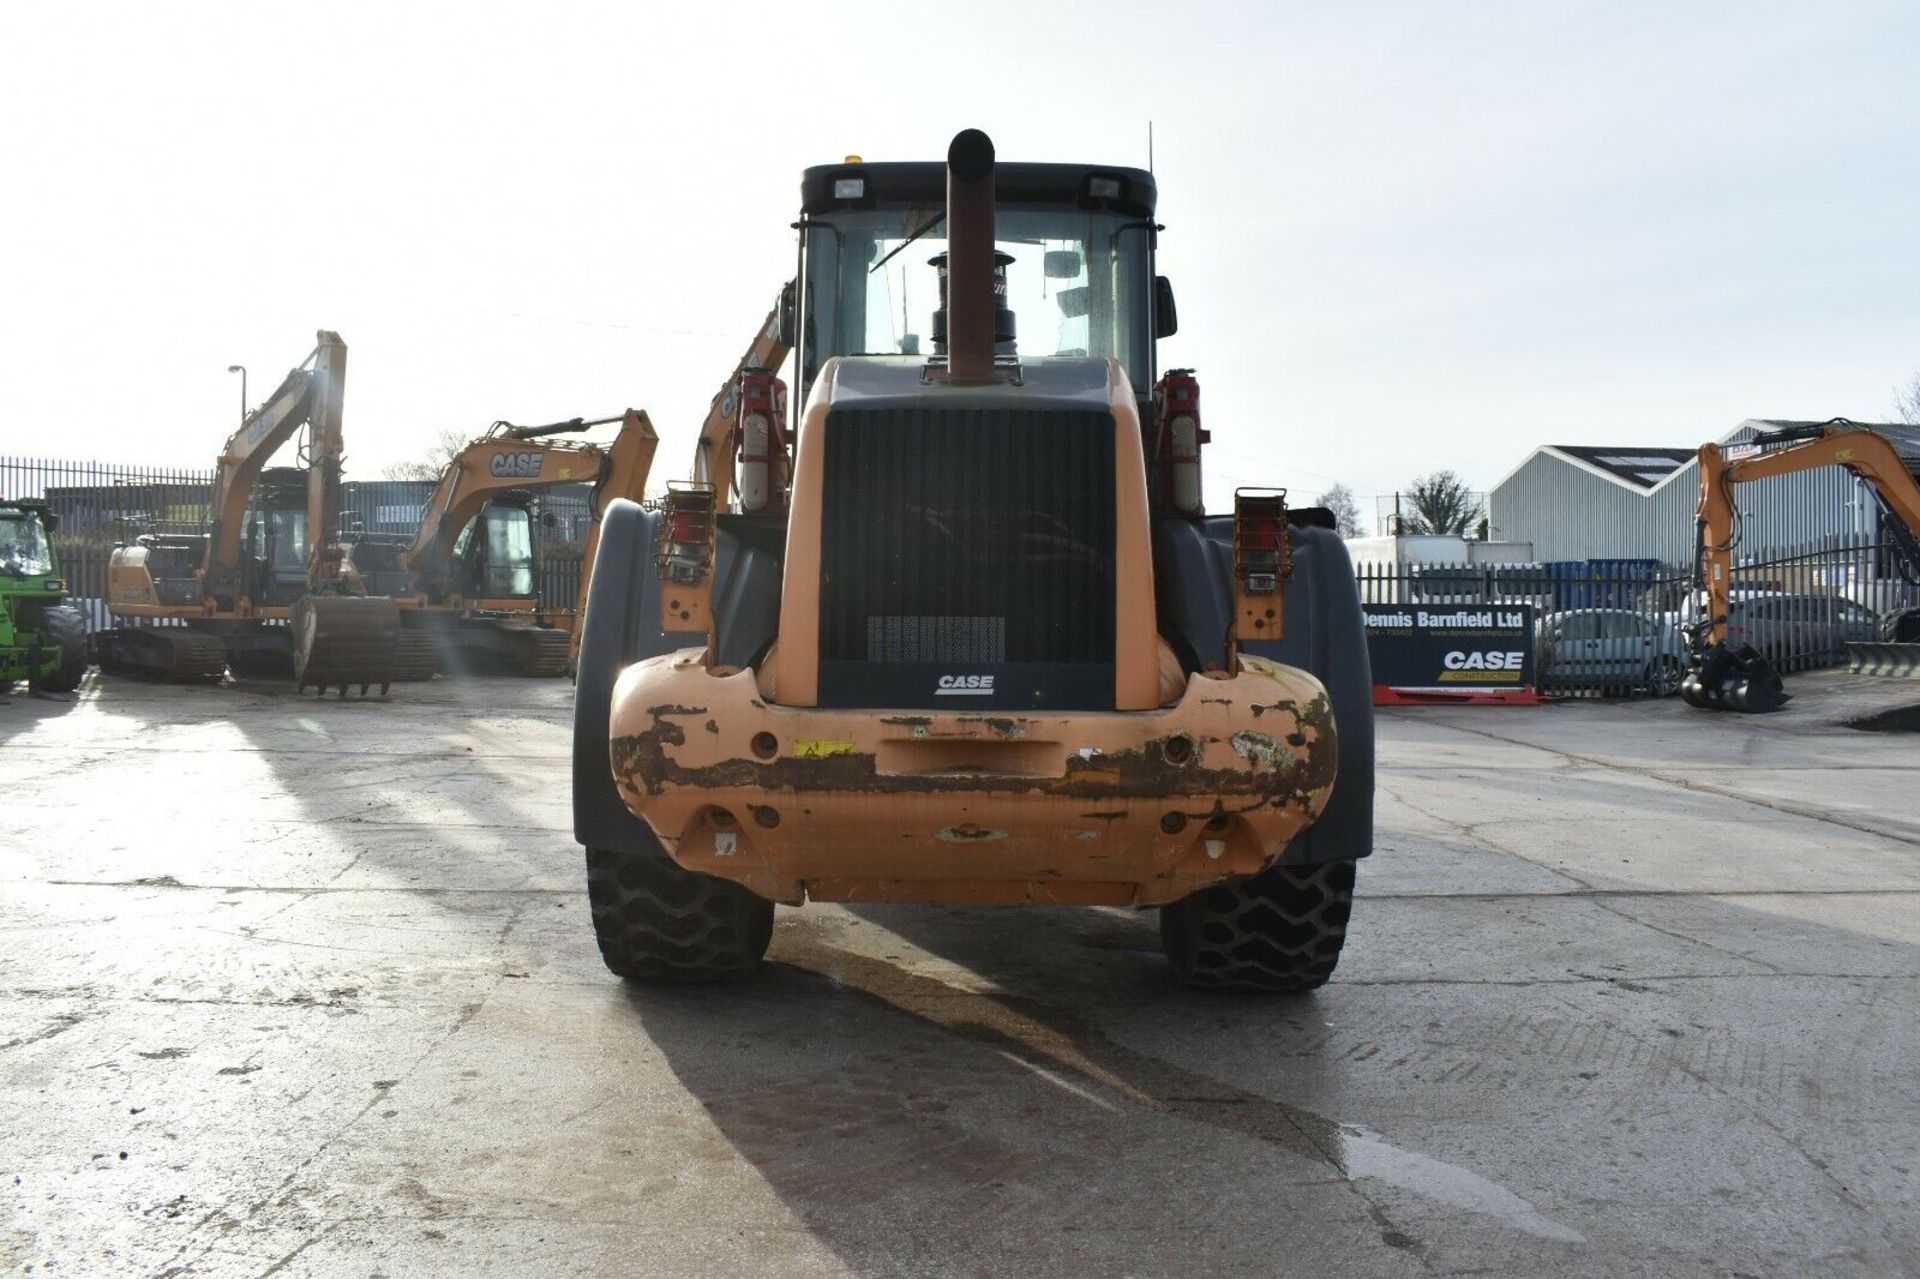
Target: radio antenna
x,y
1149,146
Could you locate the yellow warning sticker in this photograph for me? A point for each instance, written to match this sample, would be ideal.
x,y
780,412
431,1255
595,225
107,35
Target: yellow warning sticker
x,y
820,748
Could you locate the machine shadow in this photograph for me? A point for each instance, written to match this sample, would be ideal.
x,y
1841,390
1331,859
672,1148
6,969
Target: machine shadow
x,y
975,1105
977,1088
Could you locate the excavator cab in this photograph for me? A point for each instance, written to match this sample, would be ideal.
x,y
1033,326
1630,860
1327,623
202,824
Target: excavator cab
x,y
495,554
274,542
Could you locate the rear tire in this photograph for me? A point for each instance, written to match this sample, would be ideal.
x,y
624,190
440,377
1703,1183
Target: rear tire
x,y
657,922
66,631
1281,930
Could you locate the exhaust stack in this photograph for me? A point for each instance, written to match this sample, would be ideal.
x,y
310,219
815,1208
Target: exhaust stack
x,y
970,301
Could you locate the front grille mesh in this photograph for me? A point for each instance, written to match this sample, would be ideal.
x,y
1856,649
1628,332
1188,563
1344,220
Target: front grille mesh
x,y
968,536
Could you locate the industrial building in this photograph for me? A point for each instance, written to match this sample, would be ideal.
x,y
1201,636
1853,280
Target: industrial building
x,y
1579,502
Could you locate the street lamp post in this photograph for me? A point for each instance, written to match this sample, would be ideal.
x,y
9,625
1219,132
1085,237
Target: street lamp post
x,y
241,369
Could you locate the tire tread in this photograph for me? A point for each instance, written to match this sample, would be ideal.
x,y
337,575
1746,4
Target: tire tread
x,y
66,629
1280,930
657,922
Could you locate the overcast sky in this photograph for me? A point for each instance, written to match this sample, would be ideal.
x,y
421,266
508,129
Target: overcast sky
x,y
1403,236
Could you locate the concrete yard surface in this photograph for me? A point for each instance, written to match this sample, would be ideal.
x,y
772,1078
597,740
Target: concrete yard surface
x,y
304,987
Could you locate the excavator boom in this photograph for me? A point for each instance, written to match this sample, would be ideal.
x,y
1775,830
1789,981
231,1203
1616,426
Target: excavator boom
x,y
310,395
509,458
228,585
434,577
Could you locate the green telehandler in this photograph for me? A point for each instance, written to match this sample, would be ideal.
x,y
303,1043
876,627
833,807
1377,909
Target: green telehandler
x,y
43,639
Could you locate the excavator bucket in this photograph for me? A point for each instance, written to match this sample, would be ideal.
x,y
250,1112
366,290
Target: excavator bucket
x,y
1725,679
344,640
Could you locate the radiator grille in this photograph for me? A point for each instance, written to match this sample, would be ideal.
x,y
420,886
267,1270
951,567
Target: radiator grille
x,y
967,540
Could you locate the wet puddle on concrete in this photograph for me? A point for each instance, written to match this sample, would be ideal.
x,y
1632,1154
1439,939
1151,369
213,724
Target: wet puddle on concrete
x,y
1070,1054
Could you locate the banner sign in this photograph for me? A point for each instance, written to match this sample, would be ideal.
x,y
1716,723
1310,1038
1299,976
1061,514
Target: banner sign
x,y
1467,649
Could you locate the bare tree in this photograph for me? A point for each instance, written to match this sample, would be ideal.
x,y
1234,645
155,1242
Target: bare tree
x,y
1346,511
1442,503
440,451
1906,402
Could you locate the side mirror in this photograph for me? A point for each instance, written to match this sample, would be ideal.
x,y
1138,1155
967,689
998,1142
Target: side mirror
x,y
1166,316
786,322
1073,303
1061,264
50,521
548,519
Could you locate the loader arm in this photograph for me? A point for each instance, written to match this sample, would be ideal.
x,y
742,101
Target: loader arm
x,y
310,394
624,474
713,458
1869,456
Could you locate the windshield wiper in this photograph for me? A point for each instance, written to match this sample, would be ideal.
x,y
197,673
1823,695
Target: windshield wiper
x,y
938,218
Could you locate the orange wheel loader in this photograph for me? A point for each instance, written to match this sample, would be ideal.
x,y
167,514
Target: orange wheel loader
x,y
958,628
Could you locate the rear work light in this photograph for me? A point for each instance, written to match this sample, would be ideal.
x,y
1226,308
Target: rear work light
x,y
1260,549
1262,563
685,558
686,534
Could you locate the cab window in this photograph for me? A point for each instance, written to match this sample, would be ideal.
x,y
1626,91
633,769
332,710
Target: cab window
x,y
509,543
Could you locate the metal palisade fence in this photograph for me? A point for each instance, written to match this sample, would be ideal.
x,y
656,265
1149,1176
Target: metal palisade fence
x,y
1620,628
1601,627
104,505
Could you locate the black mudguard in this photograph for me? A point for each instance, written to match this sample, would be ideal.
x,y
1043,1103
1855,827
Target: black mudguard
x,y
1325,634
623,627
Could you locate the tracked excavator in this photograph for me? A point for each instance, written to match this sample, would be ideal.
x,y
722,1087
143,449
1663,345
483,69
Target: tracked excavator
x,y
959,628
1741,679
465,584
264,587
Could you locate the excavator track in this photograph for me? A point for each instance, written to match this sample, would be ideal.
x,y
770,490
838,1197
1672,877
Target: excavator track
x,y
539,651
344,640
170,654
416,657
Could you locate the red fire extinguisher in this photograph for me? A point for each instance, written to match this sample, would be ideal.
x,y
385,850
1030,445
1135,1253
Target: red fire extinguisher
x,y
762,433
1177,440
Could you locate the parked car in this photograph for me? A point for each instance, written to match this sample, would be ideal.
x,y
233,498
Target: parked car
x,y
1614,650
1802,629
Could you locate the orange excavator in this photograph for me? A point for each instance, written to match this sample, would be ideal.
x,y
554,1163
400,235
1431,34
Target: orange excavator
x,y
465,582
1724,678
262,585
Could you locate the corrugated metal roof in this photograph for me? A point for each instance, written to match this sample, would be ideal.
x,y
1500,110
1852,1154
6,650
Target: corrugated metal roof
x,y
1584,501
1640,466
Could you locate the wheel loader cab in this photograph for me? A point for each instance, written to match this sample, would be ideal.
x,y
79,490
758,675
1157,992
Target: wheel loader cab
x,y
1074,245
